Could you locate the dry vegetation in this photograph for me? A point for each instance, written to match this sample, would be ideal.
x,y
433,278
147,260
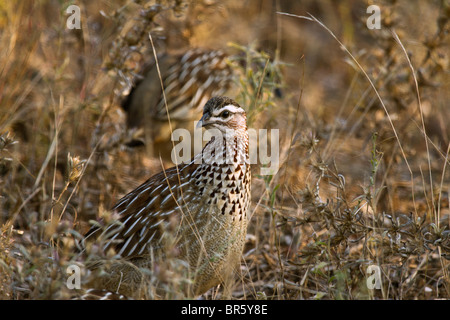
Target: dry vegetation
x,y
364,142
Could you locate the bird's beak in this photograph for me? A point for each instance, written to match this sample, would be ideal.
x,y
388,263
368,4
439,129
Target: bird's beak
x,y
203,121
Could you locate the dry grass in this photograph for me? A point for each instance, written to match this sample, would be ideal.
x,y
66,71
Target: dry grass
x,y
364,142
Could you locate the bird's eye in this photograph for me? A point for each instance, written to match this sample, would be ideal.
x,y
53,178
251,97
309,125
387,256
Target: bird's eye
x,y
225,114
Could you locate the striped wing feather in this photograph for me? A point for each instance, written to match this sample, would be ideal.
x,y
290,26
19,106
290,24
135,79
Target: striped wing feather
x,y
144,211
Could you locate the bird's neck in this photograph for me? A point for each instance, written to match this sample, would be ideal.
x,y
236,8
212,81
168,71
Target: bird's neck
x,y
230,148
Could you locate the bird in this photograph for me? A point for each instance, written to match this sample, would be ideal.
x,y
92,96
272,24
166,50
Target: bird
x,y
200,207
189,80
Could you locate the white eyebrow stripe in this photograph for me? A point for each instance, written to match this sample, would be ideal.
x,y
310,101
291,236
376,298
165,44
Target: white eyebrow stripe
x,y
231,108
